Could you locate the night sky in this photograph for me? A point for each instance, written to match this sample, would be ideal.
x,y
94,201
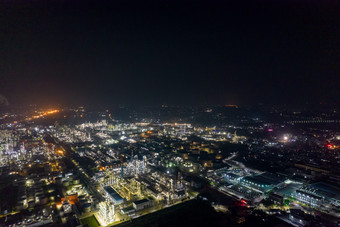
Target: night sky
x,y
169,52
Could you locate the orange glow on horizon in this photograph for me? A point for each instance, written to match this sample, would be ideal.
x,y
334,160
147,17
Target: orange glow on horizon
x,y
235,106
45,114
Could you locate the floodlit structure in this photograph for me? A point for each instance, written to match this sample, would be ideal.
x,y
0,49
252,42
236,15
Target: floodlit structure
x,y
106,213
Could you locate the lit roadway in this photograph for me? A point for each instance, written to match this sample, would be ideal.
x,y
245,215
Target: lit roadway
x,y
70,151
230,157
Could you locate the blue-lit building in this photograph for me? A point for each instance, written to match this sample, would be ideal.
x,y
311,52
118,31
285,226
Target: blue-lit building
x,y
318,194
306,196
232,177
112,195
263,182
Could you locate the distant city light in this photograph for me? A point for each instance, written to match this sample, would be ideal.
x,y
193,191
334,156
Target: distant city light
x,y
332,146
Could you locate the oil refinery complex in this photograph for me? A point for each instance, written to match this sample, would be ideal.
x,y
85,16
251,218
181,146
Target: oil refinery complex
x,y
62,167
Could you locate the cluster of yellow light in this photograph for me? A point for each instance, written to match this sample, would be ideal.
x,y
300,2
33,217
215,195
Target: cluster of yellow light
x,y
45,113
60,152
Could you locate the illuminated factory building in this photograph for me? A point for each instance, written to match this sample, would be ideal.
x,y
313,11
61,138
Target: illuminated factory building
x,y
112,195
106,213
